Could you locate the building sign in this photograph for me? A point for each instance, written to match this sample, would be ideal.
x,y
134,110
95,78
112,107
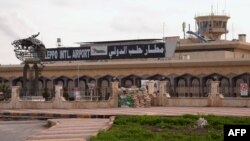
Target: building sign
x,y
99,50
154,50
243,89
67,54
136,51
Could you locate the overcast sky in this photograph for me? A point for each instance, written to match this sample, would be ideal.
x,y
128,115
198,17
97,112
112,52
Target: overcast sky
x,y
99,20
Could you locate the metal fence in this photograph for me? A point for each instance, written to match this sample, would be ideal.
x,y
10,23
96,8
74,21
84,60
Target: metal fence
x,y
95,94
39,95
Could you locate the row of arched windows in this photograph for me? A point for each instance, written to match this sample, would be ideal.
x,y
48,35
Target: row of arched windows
x,y
186,85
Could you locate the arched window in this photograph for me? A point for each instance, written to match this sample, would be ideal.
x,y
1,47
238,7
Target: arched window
x,y
82,85
49,85
70,85
195,88
104,83
128,83
181,88
131,80
59,82
19,83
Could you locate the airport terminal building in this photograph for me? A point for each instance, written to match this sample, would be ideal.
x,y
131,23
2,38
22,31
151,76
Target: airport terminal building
x,y
187,64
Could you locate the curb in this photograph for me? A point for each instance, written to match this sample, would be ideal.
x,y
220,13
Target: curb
x,y
45,116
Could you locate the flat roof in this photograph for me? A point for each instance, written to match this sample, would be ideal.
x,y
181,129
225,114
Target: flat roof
x,y
117,41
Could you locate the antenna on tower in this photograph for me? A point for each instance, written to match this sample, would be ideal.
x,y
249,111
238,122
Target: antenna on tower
x,y
59,42
184,29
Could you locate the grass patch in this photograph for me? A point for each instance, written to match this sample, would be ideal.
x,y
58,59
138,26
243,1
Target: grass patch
x,y
176,128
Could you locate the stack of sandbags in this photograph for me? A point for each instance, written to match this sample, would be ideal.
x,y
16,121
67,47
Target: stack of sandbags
x,y
141,100
140,97
147,100
136,101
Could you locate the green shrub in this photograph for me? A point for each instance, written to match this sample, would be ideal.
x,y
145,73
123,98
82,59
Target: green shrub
x,y
6,91
126,101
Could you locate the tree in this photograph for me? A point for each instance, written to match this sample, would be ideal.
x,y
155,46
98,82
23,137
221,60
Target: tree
x,y
6,91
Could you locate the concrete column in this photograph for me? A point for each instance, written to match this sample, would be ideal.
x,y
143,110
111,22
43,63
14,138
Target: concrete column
x,y
214,97
173,85
214,87
162,93
154,101
115,91
15,92
58,91
57,103
150,87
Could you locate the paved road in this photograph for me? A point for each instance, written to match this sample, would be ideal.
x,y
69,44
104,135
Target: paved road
x,y
19,130
71,130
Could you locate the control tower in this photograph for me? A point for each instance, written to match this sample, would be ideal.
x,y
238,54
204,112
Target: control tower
x,y
212,26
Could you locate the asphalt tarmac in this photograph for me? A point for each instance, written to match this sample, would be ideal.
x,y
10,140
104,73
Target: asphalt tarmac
x,y
20,130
